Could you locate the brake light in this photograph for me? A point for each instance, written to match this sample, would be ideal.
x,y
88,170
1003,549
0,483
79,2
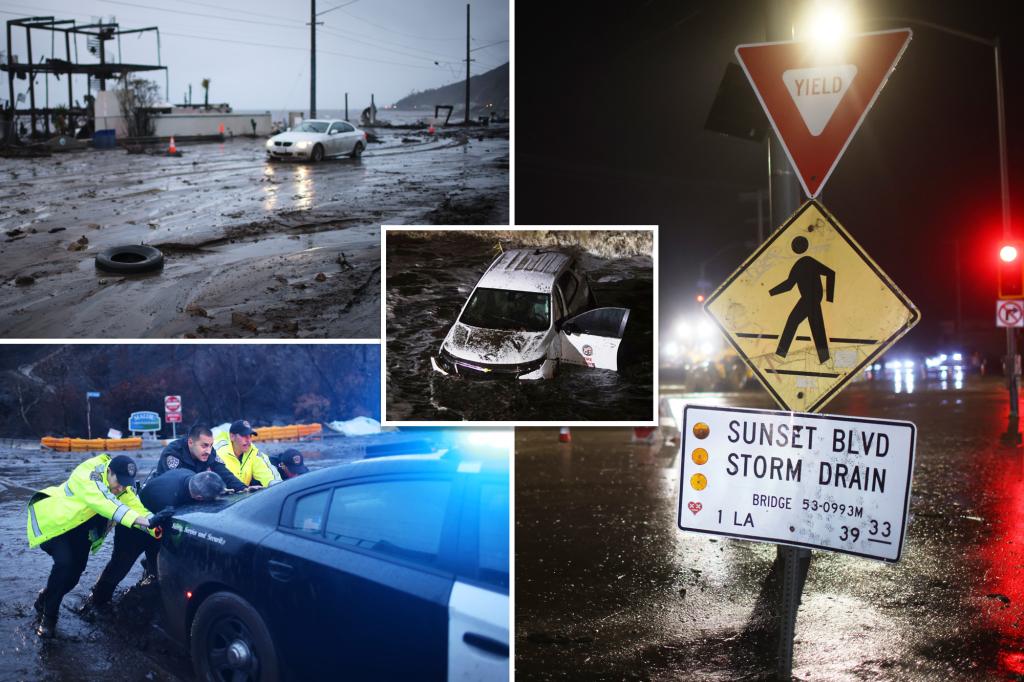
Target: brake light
x,y
366,136
188,594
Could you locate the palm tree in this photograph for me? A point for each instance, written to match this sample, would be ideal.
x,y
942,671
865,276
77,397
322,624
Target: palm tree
x,y
206,93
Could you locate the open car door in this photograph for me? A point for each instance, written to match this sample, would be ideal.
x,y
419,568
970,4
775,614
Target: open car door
x,y
592,338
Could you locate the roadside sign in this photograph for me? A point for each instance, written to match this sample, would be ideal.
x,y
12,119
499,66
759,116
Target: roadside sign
x,y
172,409
92,394
816,100
1010,313
144,421
809,309
807,480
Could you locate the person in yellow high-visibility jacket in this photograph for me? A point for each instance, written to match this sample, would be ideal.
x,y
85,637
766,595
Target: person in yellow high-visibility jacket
x,y
242,458
67,521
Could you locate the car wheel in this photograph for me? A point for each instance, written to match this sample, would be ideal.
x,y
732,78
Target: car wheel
x,y
230,642
318,154
357,151
130,259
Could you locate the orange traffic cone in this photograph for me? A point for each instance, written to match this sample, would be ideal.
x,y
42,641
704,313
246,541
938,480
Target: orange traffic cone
x,y
431,130
563,435
172,150
643,434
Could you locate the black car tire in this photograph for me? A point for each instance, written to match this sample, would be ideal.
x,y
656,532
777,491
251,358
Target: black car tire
x,y
130,259
225,618
318,154
357,151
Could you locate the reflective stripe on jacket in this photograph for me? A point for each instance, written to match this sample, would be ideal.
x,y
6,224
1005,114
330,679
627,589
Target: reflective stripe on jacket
x,y
252,465
57,509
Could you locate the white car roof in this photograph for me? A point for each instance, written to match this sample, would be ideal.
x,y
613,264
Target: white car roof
x,y
525,270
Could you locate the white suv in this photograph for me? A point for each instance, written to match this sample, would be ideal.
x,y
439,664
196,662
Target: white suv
x,y
531,310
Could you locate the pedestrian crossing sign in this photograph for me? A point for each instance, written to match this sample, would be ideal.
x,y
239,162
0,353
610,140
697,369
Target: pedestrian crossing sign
x,y
809,310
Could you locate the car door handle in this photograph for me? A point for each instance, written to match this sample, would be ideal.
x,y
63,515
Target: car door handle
x,y
280,571
491,646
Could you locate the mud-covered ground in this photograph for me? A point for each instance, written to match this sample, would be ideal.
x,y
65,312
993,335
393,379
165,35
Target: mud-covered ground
x,y
129,642
252,248
428,281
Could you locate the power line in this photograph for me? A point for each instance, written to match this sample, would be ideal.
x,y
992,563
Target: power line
x,y
391,30
198,14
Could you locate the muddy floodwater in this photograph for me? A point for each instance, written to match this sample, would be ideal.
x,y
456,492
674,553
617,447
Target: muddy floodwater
x,y
129,643
428,281
252,248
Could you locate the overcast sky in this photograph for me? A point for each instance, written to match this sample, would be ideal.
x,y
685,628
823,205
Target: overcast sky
x,y
256,52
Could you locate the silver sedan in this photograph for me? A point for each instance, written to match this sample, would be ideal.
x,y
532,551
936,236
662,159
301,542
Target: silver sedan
x,y
316,139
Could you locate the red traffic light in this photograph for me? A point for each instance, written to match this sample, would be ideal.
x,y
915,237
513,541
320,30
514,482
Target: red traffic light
x,y
700,298
1011,272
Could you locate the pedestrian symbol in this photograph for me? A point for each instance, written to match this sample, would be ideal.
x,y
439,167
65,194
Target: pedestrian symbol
x,y
806,275
809,310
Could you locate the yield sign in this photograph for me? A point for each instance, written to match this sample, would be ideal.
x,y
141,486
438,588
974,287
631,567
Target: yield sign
x,y
817,101
809,310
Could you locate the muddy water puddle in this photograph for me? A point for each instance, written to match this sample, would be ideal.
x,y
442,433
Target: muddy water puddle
x,y
427,283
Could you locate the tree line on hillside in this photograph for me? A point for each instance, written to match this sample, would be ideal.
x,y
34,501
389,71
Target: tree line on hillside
x,y
43,388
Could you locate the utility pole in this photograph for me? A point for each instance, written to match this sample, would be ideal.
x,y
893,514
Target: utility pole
x,y
467,63
312,58
346,106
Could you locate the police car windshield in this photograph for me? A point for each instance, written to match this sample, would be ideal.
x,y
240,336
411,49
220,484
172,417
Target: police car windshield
x,y
312,127
520,311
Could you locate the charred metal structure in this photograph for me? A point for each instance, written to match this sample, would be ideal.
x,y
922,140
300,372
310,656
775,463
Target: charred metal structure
x,y
97,36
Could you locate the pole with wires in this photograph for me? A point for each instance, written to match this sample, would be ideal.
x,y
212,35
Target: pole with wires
x,y
467,63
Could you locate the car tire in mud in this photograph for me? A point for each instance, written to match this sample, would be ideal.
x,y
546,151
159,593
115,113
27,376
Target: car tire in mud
x,y
229,641
357,151
130,259
318,154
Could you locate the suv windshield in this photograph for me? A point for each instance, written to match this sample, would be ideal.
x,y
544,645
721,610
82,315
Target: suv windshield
x,y
312,127
508,310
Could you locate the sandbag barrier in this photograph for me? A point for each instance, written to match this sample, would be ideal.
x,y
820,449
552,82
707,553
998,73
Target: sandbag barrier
x,y
90,444
292,432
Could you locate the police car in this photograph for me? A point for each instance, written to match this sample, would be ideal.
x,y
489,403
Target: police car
x,y
387,568
530,311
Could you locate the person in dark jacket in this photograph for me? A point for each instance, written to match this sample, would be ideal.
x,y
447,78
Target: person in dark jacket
x,y
195,453
165,492
289,463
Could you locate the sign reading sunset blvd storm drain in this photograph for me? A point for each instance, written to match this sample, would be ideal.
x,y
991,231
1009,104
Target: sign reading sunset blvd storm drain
x,y
816,481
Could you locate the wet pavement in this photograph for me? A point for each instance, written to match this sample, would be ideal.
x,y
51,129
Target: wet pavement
x,y
252,248
608,588
127,643
428,281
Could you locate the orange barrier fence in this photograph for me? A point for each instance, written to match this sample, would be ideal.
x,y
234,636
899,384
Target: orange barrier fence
x,y
91,444
293,432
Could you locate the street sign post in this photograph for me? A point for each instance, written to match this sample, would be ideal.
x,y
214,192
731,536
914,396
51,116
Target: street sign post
x,y
172,413
1010,313
817,99
809,310
89,395
816,481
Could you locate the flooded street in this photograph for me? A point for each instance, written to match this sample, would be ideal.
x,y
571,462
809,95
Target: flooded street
x,y
129,642
428,281
252,248
608,587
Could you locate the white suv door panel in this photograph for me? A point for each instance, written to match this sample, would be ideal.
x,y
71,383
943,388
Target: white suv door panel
x,y
477,634
592,338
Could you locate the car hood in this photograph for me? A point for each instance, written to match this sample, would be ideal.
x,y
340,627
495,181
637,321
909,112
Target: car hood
x,y
298,137
494,346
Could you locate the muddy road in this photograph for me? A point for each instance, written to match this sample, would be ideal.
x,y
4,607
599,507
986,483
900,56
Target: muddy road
x,y
252,248
429,280
128,643
607,586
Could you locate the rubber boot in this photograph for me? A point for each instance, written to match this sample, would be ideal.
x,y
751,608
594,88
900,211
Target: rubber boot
x,y
47,628
38,606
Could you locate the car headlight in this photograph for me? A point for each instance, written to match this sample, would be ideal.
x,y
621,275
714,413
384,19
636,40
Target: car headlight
x,y
302,145
270,143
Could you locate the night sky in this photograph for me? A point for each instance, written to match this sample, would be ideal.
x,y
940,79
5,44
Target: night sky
x,y
611,104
